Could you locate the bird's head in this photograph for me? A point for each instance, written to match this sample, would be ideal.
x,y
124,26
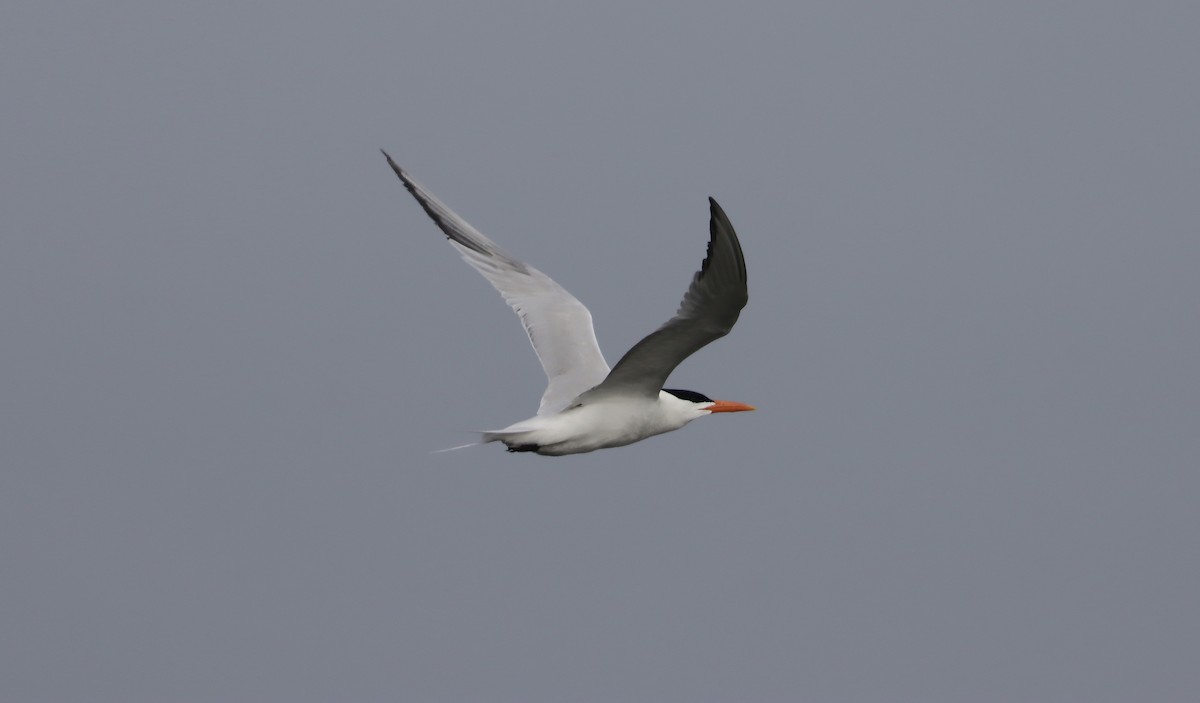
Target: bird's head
x,y
702,405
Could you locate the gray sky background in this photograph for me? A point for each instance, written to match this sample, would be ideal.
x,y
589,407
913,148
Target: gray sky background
x,y
230,341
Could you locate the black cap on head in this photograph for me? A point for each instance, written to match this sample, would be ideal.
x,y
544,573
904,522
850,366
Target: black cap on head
x,y
688,395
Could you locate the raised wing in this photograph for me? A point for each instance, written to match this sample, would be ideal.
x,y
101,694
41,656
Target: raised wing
x,y
558,325
709,309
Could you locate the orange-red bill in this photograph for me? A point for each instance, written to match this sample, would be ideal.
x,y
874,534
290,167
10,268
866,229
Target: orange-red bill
x,y
728,406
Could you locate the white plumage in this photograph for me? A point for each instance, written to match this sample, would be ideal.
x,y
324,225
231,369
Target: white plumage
x,y
587,406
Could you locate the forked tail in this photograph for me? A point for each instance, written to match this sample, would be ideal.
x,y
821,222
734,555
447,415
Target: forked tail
x,y
461,446
484,438
521,440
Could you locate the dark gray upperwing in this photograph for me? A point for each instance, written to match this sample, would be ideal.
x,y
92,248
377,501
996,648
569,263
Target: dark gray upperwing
x,y
709,309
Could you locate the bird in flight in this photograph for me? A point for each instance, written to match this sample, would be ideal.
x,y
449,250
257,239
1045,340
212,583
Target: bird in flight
x,y
586,405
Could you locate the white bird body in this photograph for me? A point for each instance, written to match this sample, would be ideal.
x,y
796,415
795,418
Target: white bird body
x,y
612,421
587,406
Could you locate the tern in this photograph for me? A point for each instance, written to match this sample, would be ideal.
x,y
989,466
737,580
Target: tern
x,y
586,405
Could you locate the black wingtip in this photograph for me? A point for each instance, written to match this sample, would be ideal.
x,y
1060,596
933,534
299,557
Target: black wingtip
x,y
404,178
719,223
399,171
